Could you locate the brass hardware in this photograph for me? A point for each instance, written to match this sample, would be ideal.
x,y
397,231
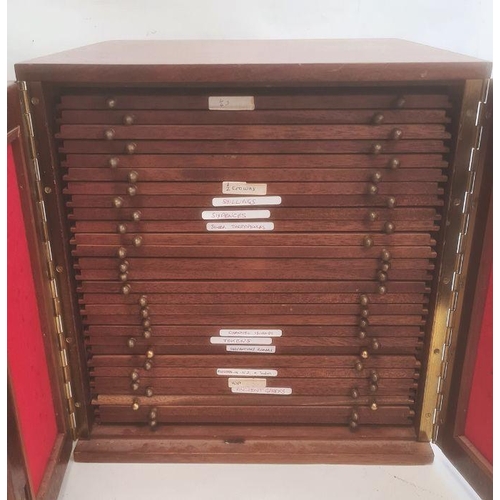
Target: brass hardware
x,y
353,425
131,342
123,267
118,202
363,323
375,344
121,228
364,313
137,241
376,148
134,375
354,415
391,202
146,323
364,354
401,101
373,387
135,405
123,276
378,118
148,364
396,134
143,301
372,189
354,393
133,176
374,406
149,392
389,227
373,216
122,252
136,216
111,102
382,290
135,386
126,289
109,134
367,241
145,313
376,177
150,353
381,276
358,365
113,162
128,119
130,148
394,163
374,376
363,300
153,424
361,334
146,334
132,190
385,255
153,414
385,267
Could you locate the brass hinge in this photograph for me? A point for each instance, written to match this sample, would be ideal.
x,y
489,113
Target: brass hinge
x,y
456,251
50,270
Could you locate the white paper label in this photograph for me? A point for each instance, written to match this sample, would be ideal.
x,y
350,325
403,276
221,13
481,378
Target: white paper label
x,y
235,214
255,349
246,382
277,391
250,333
246,372
231,103
240,341
240,226
233,187
246,201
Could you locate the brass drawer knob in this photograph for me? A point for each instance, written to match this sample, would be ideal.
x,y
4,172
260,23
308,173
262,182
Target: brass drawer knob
x,y
148,364
145,313
367,241
364,313
400,102
374,376
149,392
113,162
354,393
376,177
134,375
130,148
364,354
122,252
153,424
358,365
363,323
385,267
381,276
394,163
131,342
382,290
136,216
109,134
375,344
376,148
150,353
372,216
132,190
389,227
126,289
385,255
146,334
133,176
378,118
361,335
396,134
373,387
118,202
123,276
135,386
137,241
374,406
143,301
353,426
391,202
128,119
146,323
123,267
372,189
111,102
153,414
354,416
121,228
363,300
135,405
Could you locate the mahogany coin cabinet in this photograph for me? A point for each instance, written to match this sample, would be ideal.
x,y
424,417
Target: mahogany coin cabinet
x,y
254,251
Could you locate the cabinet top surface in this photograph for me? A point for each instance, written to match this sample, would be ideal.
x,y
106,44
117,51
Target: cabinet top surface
x,y
293,61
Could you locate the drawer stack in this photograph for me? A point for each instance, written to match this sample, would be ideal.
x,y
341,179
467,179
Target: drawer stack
x,y
265,266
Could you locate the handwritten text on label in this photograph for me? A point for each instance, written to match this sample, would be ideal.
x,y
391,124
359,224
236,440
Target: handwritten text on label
x,y
246,201
235,214
240,226
240,341
279,391
232,187
246,372
250,333
255,349
246,382
231,103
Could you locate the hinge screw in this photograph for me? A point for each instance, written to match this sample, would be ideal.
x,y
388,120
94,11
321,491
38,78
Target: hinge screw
x,y
48,190
59,269
35,101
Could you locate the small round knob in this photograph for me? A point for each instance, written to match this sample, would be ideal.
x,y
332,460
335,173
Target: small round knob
x,y
364,313
378,118
144,313
121,228
400,102
122,252
374,376
146,323
385,267
394,163
396,134
126,289
136,216
361,334
382,277
150,353
123,267
382,290
134,375
149,392
146,334
376,177
353,426
363,300
358,365
389,227
385,255
391,202
118,202
133,176
363,323
367,241
135,405
153,424
377,148
153,414
131,342
375,344
109,134
137,241
143,301
111,102
374,406
372,189
135,386
373,387
364,354
354,416
124,276
372,216
113,162
132,190
130,148
148,364
354,393
128,119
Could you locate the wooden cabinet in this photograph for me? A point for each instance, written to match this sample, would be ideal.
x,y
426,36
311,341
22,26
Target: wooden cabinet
x,y
257,251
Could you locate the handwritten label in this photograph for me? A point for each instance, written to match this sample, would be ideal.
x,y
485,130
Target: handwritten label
x,y
250,333
246,201
240,226
229,187
277,391
246,382
235,214
255,349
240,341
231,103
246,372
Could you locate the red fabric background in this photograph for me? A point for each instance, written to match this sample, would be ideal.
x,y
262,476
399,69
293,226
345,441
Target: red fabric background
x,y
479,423
25,350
